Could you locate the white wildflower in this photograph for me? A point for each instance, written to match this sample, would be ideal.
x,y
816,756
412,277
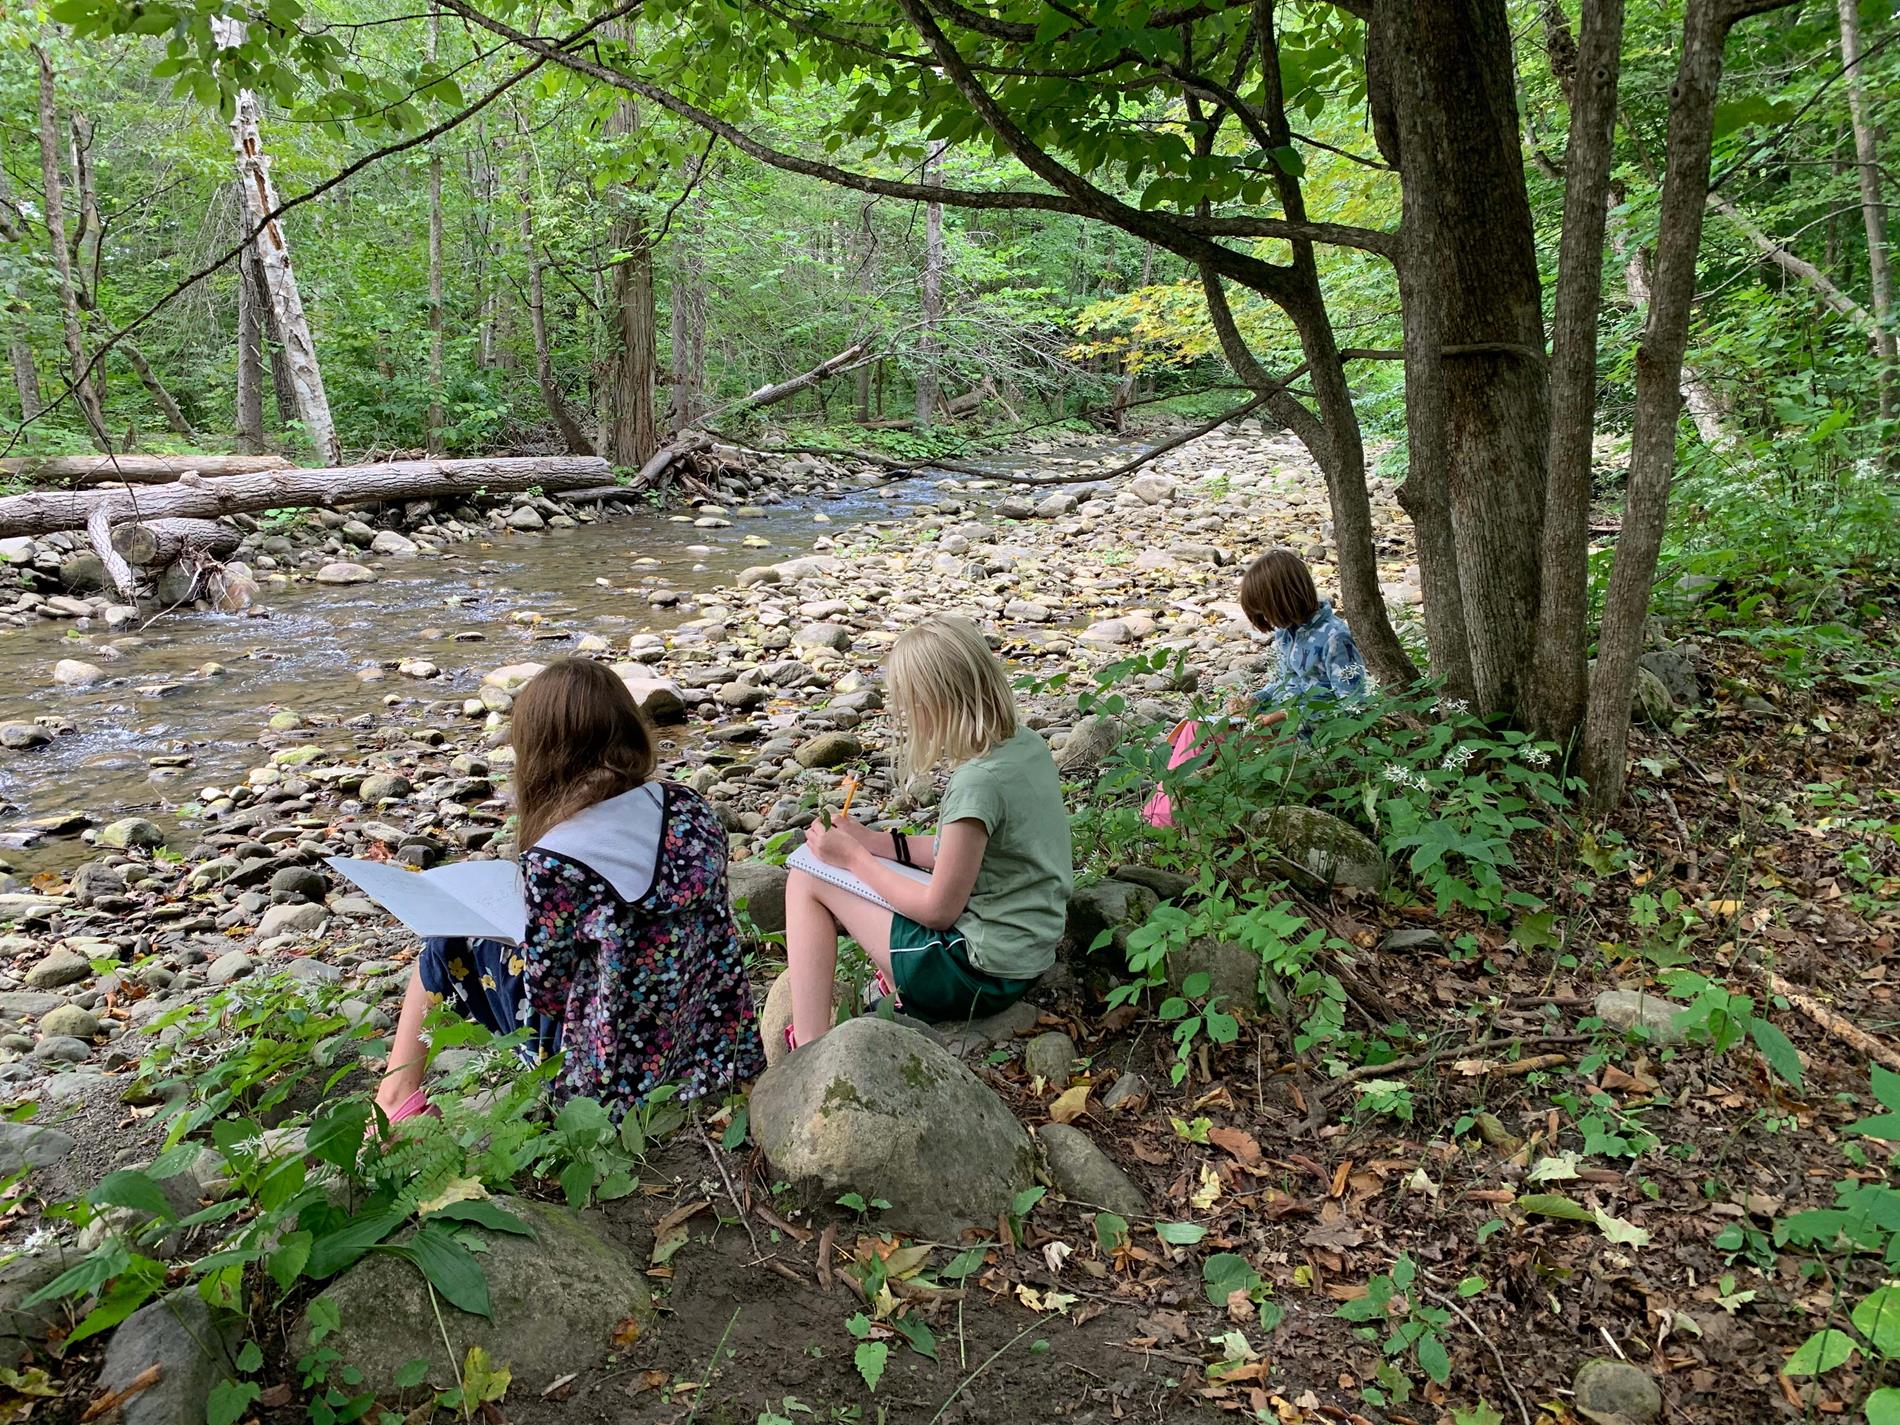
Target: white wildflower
x,y
1457,759
1418,782
1396,774
1536,756
1451,705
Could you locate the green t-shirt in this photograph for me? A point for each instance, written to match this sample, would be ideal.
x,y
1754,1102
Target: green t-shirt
x,y
1021,898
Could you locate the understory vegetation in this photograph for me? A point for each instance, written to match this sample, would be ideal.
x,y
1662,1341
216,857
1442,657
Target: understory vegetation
x,y
1550,1055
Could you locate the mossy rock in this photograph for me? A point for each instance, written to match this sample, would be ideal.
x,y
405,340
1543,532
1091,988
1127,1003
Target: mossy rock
x,y
1324,846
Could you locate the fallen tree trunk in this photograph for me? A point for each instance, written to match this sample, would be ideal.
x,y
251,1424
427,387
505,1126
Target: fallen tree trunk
x,y
191,497
152,544
86,470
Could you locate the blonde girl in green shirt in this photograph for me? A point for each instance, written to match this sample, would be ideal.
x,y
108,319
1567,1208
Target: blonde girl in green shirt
x,y
972,939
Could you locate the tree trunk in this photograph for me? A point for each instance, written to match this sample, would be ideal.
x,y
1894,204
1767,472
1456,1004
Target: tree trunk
x,y
436,416
688,314
283,390
1477,390
45,512
1795,265
88,470
1685,193
298,350
929,348
1561,682
1706,409
249,418
26,375
565,421
1873,214
155,388
632,426
152,544
54,202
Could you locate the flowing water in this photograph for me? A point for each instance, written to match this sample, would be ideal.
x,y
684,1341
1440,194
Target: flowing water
x,y
157,729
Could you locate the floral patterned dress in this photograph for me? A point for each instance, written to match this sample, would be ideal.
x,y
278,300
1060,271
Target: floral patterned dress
x,y
630,962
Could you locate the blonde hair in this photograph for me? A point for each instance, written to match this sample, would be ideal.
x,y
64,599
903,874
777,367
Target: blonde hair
x,y
948,695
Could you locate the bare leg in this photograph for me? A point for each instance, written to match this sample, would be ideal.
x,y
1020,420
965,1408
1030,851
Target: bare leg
x,y
815,911
408,1055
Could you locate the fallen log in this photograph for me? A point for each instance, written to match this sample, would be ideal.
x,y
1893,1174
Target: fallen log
x,y
152,544
191,497
88,470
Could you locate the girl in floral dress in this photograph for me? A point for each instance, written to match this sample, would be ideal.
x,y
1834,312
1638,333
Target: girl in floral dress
x,y
629,965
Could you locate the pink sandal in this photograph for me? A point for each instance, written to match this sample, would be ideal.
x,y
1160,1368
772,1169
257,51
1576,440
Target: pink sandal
x,y
415,1106
883,988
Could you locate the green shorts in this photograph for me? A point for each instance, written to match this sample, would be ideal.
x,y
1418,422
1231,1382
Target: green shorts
x,y
937,982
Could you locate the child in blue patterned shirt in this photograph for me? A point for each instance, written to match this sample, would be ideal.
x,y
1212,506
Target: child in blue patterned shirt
x,y
1318,658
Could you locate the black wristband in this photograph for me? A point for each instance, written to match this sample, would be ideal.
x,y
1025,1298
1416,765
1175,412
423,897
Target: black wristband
x,y
900,848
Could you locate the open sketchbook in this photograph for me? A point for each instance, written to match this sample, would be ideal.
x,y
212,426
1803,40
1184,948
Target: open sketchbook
x,y
466,900
804,859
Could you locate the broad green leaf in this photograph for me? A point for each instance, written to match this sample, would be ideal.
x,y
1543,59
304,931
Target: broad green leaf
x,y
1821,1352
450,1269
412,1373
969,1260
870,1359
1777,1049
484,1213
1432,1357
1225,1273
137,1285
288,1259
1554,1204
131,1188
338,1132
334,1251
1883,1406
1180,1234
1627,1234
1111,1230
229,1400
921,1338
1878,1319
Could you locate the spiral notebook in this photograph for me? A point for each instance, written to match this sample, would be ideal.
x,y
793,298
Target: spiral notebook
x,y
804,859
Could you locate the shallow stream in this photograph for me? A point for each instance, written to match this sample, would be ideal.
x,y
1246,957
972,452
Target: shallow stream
x,y
157,728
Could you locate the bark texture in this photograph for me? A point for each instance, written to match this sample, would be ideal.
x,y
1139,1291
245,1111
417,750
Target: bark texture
x,y
190,498
249,404
53,197
1685,192
88,470
152,544
632,434
1477,389
1560,685
298,349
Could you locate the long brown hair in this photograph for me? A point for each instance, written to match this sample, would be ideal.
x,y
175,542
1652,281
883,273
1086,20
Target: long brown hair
x,y
579,738
1277,591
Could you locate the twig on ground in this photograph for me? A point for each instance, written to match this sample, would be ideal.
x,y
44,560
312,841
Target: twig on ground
x,y
711,1365
764,1258
1839,1026
970,1379
113,1399
1504,1371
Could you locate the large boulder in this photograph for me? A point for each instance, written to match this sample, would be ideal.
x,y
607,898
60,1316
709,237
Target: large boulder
x,y
877,1108
1649,698
1090,742
1675,669
830,749
130,831
659,698
76,673
196,1350
1112,905
344,572
776,1013
761,886
1325,846
556,1300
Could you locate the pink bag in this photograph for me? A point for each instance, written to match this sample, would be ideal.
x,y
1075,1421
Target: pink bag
x,y
1159,810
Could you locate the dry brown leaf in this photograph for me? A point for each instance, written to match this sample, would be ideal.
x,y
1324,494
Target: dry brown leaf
x,y
1242,1146
1070,1104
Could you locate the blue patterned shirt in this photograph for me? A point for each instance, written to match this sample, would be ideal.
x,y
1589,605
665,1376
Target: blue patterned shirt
x,y
1317,660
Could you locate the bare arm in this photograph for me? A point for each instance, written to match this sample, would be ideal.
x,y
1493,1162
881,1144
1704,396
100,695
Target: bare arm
x,y
936,903
922,849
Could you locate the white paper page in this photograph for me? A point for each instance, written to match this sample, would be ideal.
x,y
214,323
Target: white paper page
x,y
804,859
470,899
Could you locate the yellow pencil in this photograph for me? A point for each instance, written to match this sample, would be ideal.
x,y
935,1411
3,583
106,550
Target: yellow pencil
x,y
850,791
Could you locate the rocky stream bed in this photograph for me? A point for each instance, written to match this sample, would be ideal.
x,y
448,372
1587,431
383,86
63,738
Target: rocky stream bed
x,y
178,785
